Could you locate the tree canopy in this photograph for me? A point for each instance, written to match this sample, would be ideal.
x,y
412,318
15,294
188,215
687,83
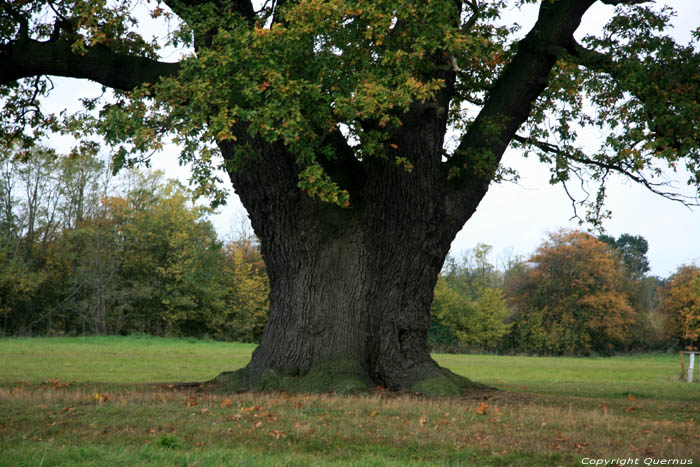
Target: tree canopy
x,y
305,74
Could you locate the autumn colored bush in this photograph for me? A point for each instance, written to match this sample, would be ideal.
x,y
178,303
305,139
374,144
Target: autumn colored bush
x,y
680,305
571,298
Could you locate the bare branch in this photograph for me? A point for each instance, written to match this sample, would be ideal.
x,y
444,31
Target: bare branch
x,y
609,166
574,203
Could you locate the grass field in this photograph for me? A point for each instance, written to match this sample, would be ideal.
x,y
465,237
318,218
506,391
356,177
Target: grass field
x,y
108,401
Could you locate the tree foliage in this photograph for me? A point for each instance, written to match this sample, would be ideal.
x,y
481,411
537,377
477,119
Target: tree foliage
x,y
247,292
572,297
84,253
469,311
295,73
633,250
681,305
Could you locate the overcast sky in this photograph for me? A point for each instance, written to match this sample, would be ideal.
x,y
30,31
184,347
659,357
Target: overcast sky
x,y
515,218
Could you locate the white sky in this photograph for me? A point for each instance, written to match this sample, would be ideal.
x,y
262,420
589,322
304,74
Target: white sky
x,y
516,218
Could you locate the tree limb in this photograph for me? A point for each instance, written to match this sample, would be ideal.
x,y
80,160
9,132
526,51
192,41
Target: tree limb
x,y
473,165
625,2
581,158
26,58
591,59
242,7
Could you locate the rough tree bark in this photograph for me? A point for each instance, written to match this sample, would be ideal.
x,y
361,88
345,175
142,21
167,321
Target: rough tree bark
x,y
351,288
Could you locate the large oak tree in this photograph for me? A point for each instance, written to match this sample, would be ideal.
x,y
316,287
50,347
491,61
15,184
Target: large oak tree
x,y
330,116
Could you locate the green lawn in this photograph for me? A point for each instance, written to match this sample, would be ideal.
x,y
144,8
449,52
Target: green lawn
x,y
107,401
121,360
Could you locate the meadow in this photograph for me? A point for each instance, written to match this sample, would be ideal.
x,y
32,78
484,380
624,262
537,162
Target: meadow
x,y
115,401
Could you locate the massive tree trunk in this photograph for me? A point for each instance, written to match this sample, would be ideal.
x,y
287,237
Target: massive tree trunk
x,y
351,288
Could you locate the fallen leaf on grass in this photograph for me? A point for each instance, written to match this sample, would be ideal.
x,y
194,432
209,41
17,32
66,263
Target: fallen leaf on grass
x,y
482,409
226,403
255,408
100,397
55,383
278,434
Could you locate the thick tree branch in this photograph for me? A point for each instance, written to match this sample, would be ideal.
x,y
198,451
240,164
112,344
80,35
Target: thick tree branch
x,y
242,7
508,105
625,2
476,13
26,58
591,59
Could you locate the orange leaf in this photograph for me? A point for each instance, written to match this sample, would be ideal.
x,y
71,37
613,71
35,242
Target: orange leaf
x,y
482,409
631,397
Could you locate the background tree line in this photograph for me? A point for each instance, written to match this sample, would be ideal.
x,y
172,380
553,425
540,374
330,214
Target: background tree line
x,y
576,295
83,252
